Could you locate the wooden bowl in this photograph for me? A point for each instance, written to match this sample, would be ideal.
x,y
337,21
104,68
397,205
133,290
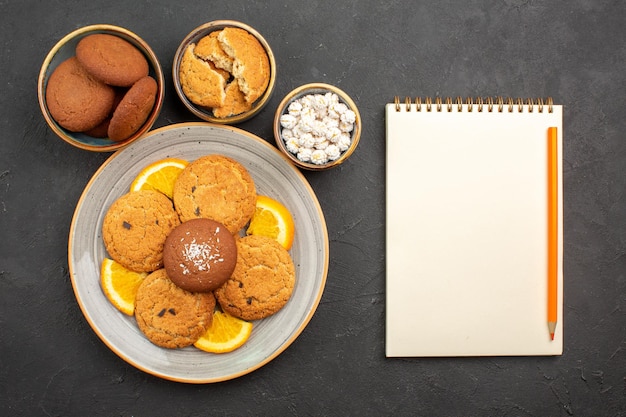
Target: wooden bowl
x,y
293,151
205,113
64,49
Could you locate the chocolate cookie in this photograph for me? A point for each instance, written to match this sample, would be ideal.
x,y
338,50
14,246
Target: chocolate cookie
x,y
200,255
133,110
262,282
135,228
76,100
112,59
216,187
169,316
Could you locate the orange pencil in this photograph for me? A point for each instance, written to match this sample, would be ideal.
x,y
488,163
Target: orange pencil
x,y
553,228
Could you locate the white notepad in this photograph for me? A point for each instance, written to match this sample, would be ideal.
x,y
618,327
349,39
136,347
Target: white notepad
x,y
466,225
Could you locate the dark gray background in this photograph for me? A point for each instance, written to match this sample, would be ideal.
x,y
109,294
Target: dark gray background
x,y
53,364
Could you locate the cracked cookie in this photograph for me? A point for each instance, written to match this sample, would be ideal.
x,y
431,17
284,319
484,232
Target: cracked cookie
x,y
251,66
169,316
135,227
262,282
201,83
216,187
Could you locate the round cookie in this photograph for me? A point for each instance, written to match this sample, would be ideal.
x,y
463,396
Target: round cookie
x,y
200,255
133,110
76,100
112,59
262,281
169,316
135,228
216,187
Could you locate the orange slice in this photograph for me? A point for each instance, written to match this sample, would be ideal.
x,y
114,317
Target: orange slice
x,y
226,334
272,219
120,285
159,176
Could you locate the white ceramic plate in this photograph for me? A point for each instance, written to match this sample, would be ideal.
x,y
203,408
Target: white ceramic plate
x,y
274,176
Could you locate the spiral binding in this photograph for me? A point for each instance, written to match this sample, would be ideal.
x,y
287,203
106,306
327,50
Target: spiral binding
x,y
499,103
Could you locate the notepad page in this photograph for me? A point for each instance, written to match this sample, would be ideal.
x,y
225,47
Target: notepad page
x,y
466,229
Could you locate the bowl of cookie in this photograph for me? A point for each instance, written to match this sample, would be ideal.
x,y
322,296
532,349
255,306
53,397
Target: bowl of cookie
x,y
317,126
224,72
100,88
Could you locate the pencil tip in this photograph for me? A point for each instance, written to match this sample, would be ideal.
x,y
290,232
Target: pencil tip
x,y
552,328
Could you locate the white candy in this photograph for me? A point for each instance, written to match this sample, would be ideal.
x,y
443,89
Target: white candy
x,y
348,117
339,108
333,134
288,121
332,99
319,102
307,140
287,134
344,142
304,154
306,101
319,128
292,145
331,122
333,152
308,113
346,127
305,124
297,131
295,107
322,144
319,157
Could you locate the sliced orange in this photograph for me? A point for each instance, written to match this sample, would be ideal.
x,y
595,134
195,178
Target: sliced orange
x,y
226,334
159,176
120,285
272,219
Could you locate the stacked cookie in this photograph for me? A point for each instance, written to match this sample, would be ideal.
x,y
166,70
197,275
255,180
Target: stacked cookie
x,y
104,90
227,71
192,249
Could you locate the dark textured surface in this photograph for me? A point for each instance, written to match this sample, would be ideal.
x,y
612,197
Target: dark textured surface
x,y
53,364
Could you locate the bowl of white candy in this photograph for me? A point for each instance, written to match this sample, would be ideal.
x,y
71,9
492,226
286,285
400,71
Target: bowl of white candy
x,y
317,126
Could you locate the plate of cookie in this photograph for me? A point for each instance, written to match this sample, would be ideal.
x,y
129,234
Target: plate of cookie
x,y
273,176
